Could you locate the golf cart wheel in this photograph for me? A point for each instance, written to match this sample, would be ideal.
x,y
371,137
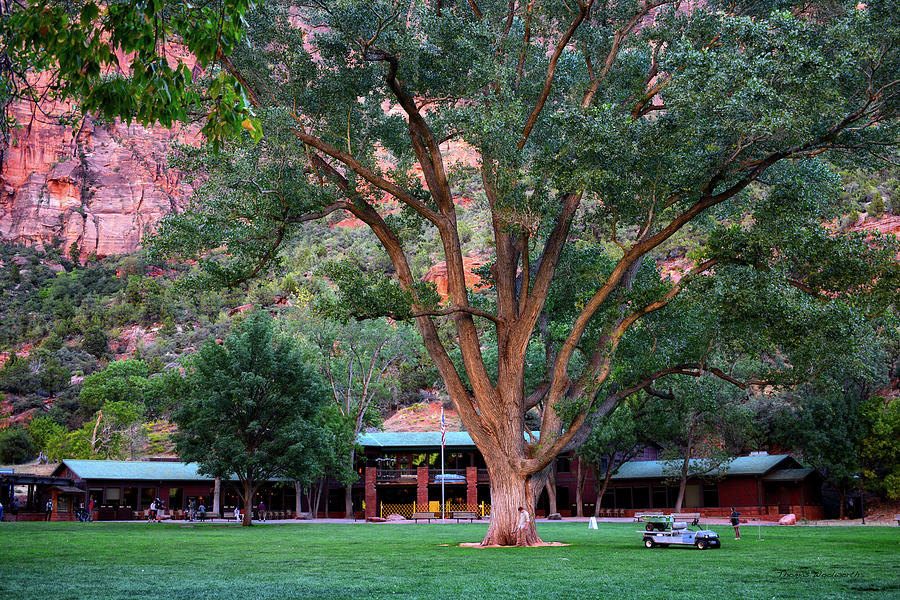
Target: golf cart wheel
x,y
649,527
702,544
649,543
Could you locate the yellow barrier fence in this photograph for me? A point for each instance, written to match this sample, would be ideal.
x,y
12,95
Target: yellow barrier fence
x,y
434,506
406,510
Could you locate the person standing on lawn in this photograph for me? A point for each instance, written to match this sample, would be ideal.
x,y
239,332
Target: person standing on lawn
x,y
49,510
522,527
736,523
262,510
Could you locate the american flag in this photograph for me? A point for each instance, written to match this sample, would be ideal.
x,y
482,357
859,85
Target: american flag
x,y
443,427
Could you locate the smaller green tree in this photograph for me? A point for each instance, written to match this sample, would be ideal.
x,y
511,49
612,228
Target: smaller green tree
x,y
95,342
880,449
16,446
49,437
75,254
827,430
613,442
707,424
361,360
252,409
120,381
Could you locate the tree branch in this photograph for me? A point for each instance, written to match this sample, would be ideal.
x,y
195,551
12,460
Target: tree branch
x,y
583,8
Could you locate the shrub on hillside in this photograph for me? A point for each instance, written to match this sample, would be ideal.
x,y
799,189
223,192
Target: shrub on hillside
x,y
16,446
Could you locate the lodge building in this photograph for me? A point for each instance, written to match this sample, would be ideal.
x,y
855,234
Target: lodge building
x,y
401,473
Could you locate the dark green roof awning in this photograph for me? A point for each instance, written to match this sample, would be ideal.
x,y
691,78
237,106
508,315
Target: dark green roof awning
x,y
426,440
789,475
742,465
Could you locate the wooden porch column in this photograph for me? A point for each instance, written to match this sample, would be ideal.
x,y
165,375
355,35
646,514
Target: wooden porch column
x,y
422,488
371,495
471,488
217,492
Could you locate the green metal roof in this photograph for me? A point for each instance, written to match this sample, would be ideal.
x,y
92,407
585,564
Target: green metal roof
x,y
788,475
409,439
742,465
418,439
136,470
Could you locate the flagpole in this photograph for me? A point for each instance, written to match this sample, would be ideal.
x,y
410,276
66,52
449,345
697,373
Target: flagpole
x,y
443,431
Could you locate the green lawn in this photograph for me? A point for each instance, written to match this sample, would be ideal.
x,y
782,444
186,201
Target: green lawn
x,y
44,561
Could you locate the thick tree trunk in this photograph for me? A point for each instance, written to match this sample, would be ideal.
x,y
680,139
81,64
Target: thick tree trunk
x,y
348,491
316,498
843,504
682,484
247,516
579,489
685,466
550,486
348,502
217,493
298,502
602,490
509,491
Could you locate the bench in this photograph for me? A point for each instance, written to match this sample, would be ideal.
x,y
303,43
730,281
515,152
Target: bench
x,y
689,517
471,515
897,518
422,515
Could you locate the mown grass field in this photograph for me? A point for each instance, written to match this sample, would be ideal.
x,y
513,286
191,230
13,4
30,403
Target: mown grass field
x,y
41,561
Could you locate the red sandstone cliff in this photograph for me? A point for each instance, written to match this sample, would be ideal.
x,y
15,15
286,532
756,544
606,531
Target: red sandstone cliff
x,y
101,187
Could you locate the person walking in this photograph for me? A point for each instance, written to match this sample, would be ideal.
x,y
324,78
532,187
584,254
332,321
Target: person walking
x,y
522,526
1,511
736,523
91,510
262,510
153,508
48,510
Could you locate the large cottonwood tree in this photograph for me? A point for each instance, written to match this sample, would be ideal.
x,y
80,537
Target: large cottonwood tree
x,y
602,130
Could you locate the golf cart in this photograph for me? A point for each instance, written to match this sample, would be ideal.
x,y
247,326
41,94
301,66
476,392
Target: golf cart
x,y
663,530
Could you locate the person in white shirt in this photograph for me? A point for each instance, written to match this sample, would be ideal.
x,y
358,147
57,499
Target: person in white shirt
x,y
522,527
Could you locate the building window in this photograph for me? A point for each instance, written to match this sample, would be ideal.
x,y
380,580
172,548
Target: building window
x,y
148,495
176,499
564,464
659,497
693,495
641,496
112,497
710,495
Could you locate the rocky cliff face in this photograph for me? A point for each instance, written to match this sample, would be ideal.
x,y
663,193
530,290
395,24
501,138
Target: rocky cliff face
x,y
101,185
